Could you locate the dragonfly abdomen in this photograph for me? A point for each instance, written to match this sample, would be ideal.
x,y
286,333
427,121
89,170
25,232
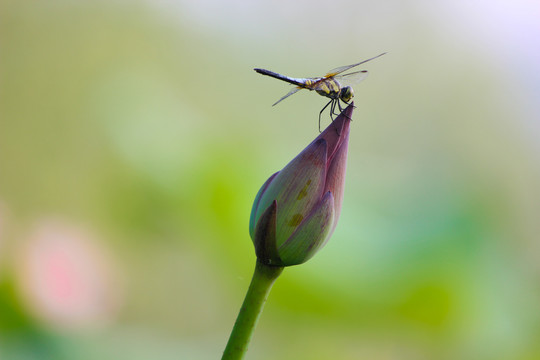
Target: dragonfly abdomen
x,y
294,81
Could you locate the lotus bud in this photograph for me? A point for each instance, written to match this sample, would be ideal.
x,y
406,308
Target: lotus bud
x,y
296,210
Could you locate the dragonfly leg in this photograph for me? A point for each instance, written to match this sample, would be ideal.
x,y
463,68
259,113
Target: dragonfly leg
x,y
333,112
333,109
325,106
339,106
347,104
354,106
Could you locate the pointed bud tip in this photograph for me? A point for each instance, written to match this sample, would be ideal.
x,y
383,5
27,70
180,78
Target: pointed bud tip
x,y
342,121
338,130
349,109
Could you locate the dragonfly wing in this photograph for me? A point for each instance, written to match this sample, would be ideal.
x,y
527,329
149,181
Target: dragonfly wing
x,y
352,78
341,69
293,91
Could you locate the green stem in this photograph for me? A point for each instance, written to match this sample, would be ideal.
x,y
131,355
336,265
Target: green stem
x,y
261,283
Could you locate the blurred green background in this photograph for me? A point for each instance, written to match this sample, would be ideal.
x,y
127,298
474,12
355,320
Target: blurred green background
x,y
134,136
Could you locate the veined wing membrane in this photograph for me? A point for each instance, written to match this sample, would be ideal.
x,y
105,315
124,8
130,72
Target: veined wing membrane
x,y
352,78
341,69
292,92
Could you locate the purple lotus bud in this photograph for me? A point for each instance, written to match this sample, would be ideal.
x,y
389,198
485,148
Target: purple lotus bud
x,y
297,208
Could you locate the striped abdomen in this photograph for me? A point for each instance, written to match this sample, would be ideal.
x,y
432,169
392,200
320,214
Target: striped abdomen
x,y
304,83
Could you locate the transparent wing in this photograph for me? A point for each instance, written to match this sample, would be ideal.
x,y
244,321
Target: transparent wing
x,y
341,69
352,78
293,91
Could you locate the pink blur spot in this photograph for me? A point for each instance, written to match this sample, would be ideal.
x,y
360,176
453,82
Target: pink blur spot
x,y
66,278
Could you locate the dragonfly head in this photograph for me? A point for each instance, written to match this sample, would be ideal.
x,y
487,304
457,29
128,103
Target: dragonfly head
x,y
346,94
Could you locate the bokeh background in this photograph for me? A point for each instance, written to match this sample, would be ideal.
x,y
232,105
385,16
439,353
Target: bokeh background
x,y
134,136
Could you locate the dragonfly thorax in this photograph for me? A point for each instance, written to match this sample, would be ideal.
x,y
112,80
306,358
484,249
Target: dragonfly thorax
x,y
346,94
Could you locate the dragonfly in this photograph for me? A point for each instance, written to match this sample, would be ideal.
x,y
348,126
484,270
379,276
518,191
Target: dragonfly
x,y
333,85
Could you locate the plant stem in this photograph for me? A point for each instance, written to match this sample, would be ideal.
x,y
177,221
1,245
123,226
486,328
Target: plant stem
x,y
261,283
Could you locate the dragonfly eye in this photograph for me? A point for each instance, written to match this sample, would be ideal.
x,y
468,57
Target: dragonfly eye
x,y
346,94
